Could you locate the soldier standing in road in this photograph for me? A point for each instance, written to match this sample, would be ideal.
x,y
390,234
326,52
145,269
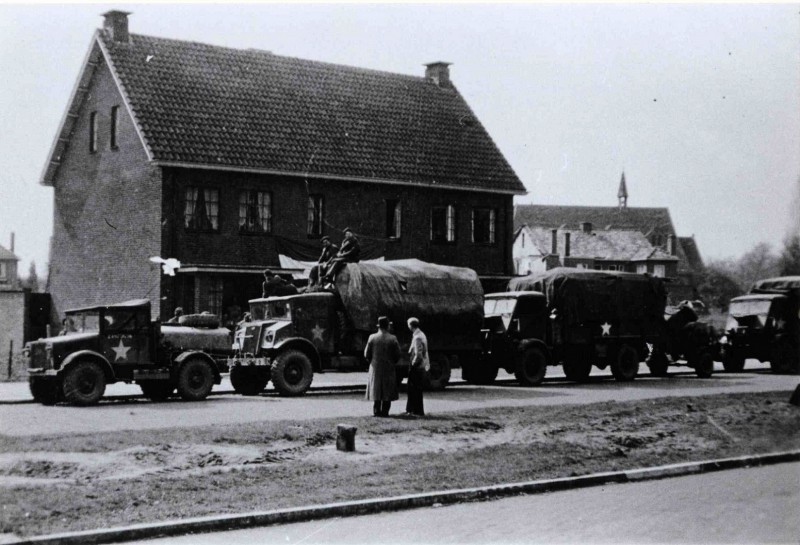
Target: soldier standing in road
x,y
382,353
419,365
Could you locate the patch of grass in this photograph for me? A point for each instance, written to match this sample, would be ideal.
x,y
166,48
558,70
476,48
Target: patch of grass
x,y
394,456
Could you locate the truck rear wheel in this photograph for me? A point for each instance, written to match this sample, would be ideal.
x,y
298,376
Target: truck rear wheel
x,y
438,375
84,383
292,373
626,365
249,381
784,358
45,390
531,367
195,379
157,390
704,364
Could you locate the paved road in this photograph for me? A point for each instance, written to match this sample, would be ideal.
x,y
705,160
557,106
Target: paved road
x,y
34,419
755,505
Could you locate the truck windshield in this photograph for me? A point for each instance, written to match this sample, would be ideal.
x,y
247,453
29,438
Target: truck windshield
x,y
499,307
83,322
275,310
743,309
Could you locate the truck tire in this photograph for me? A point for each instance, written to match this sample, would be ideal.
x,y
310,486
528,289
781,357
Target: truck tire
x,y
46,391
292,373
658,363
84,383
157,390
784,358
531,367
625,366
733,362
438,375
577,371
249,381
199,320
704,364
195,379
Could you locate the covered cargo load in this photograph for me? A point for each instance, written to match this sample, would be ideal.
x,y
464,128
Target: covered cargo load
x,y
782,284
632,303
447,300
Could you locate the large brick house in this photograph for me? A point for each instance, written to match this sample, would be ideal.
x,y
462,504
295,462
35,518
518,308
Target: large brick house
x,y
234,160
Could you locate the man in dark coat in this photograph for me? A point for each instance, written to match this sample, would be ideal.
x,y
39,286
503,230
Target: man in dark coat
x,y
329,251
382,352
350,252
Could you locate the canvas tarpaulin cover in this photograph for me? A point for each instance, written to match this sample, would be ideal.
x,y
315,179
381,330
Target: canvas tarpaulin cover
x,y
582,296
780,284
445,299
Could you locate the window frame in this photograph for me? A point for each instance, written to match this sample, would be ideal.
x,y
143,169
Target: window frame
x,y
450,231
243,224
93,132
113,128
492,234
659,268
394,219
186,221
315,216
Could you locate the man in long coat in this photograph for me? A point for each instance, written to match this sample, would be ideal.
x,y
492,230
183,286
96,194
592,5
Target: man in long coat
x,y
382,352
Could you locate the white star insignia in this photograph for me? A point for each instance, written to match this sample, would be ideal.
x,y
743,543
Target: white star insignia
x,y
779,324
121,350
317,332
606,329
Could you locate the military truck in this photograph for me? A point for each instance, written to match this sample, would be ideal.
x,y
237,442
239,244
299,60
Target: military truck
x,y
765,325
120,343
578,319
290,338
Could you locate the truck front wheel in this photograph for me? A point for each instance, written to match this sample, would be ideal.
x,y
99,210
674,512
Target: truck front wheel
x,y
45,390
157,390
704,364
195,379
292,373
84,383
531,367
249,381
626,365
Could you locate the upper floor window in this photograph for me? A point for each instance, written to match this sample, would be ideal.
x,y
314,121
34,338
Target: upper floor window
x,y
255,212
483,225
112,139
393,218
660,271
641,268
443,223
315,215
93,132
201,209
3,272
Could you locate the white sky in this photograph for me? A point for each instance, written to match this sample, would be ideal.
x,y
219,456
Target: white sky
x,y
698,104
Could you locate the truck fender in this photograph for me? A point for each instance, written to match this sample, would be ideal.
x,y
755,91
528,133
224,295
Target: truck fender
x,y
92,356
183,356
304,345
527,343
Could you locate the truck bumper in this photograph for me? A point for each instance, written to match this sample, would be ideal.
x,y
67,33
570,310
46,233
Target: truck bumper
x,y
249,362
41,372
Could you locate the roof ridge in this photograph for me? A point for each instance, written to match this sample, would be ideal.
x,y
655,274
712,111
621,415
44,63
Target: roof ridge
x,y
590,206
252,50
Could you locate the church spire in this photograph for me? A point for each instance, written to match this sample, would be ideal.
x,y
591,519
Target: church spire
x,y
622,194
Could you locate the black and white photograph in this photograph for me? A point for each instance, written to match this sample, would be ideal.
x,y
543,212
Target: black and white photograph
x,y
399,273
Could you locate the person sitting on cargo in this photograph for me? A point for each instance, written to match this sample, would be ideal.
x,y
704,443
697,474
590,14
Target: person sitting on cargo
x,y
176,317
275,286
329,250
350,252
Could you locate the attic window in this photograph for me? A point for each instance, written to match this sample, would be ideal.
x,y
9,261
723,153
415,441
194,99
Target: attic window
x,y
113,128
93,132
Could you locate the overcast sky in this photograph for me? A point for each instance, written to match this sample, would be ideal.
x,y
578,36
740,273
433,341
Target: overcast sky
x,y
698,104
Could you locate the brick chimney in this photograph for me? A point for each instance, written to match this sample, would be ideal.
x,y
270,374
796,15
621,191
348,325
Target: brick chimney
x,y
12,242
438,73
566,244
586,226
115,25
554,241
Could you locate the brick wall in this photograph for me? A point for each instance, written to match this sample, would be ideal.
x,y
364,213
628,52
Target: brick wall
x,y
360,206
107,211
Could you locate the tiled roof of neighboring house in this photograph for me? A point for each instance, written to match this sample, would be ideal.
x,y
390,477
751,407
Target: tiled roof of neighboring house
x,y
692,252
198,104
7,255
609,245
643,219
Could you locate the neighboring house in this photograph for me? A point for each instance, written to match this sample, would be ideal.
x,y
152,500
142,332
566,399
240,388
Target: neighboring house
x,y
8,268
654,223
537,249
233,160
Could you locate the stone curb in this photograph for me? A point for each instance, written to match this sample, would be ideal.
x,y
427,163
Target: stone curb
x,y
364,507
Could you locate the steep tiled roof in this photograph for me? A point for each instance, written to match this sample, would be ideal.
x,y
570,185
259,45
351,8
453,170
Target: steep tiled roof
x,y
609,245
601,217
7,255
692,252
199,104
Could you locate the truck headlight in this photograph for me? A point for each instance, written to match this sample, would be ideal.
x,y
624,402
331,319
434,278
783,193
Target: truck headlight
x,y
269,338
